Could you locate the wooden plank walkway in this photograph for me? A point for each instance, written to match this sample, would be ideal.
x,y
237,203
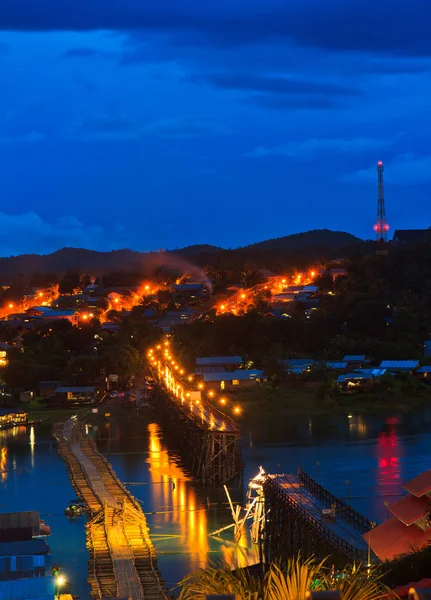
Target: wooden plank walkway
x,y
122,558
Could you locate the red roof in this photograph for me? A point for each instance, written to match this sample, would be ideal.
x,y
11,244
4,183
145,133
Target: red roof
x,y
420,485
409,509
393,538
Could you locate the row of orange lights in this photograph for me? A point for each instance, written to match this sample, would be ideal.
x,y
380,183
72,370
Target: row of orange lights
x,y
169,359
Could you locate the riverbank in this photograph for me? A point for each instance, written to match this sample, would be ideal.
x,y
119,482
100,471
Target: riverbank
x,y
264,402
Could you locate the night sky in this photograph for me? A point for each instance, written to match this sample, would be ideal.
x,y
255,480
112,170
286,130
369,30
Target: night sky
x,y
162,123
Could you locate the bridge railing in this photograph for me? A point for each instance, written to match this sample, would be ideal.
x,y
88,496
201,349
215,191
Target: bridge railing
x,y
229,425
326,534
352,516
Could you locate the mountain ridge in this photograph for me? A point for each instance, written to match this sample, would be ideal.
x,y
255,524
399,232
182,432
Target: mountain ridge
x,y
99,262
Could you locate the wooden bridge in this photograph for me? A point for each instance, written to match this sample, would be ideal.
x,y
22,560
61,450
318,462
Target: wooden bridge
x,y
122,559
295,523
209,440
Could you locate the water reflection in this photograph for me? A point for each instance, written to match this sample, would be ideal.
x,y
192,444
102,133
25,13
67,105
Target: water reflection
x,y
388,460
3,463
178,502
32,441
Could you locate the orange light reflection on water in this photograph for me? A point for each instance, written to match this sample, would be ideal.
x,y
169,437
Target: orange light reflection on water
x,y
3,463
180,506
176,501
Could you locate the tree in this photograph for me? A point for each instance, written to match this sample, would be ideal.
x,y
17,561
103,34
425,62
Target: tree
x,y
69,283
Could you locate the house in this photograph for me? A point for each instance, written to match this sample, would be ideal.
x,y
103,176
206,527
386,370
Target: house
x,y
400,366
334,366
424,373
37,311
11,417
217,364
298,365
359,378
72,395
356,360
47,389
4,350
177,317
25,557
190,291
410,525
58,315
232,380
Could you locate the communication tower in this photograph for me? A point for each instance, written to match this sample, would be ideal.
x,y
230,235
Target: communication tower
x,y
381,227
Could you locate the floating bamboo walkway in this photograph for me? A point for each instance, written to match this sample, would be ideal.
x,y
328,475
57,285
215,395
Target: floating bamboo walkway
x,y
122,561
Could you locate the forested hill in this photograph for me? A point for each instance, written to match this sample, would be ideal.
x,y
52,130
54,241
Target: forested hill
x,y
309,245
315,237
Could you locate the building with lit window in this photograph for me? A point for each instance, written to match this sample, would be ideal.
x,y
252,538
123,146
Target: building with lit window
x,y
232,380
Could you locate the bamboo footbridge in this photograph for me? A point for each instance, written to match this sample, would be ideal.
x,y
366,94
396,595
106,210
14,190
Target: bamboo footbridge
x,y
122,560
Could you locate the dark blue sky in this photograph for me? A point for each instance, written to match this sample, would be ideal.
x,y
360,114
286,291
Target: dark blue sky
x,y
148,124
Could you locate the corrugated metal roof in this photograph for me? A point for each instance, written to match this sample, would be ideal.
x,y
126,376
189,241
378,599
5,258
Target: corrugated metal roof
x,y
420,485
241,375
425,369
218,360
78,389
59,313
335,365
355,358
373,372
393,538
24,548
188,287
299,362
353,377
38,588
296,370
409,509
399,364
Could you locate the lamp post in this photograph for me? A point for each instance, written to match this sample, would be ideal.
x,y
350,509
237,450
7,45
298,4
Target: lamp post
x,y
60,580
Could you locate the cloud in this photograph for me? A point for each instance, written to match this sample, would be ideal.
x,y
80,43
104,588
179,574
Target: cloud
x,y
403,169
308,149
293,102
80,53
107,127
272,84
85,52
187,127
30,137
388,26
4,48
29,233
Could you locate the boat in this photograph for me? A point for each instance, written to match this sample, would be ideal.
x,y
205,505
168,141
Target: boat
x,y
74,509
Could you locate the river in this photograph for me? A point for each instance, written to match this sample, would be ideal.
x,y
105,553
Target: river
x,y
363,459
